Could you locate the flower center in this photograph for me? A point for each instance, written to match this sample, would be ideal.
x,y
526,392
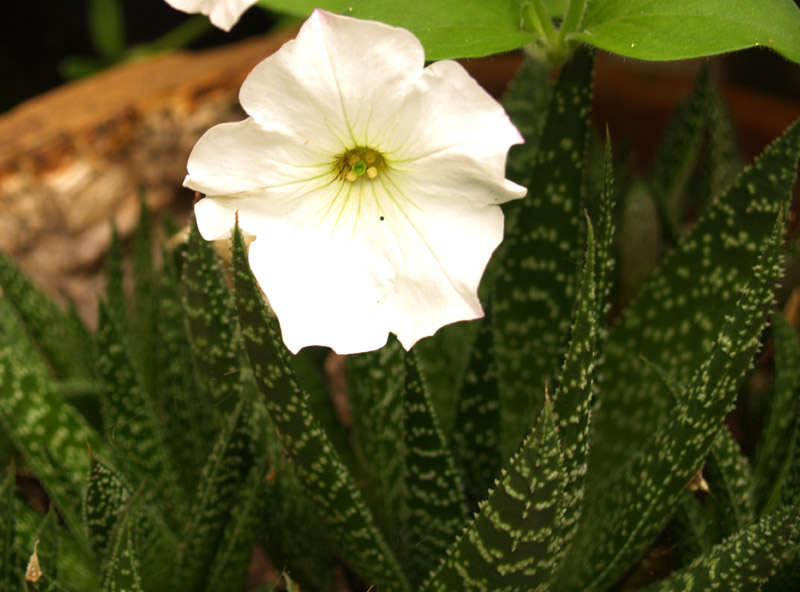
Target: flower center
x,y
359,162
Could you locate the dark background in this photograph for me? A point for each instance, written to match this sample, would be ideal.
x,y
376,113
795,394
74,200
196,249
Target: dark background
x,y
36,35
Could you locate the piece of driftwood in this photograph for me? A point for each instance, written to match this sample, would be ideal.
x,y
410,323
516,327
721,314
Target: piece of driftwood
x,y
78,157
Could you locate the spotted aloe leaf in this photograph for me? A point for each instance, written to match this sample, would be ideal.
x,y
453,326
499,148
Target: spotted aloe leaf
x,y
572,399
103,505
534,291
434,507
323,475
215,340
476,439
9,577
742,562
46,549
772,453
376,382
124,569
59,337
189,428
48,431
127,415
514,539
107,499
676,317
225,470
605,263
623,518
731,481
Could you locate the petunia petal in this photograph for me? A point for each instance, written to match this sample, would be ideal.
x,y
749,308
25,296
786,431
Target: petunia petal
x,y
238,157
222,13
337,82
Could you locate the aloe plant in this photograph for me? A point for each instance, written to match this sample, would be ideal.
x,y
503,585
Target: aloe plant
x,y
555,450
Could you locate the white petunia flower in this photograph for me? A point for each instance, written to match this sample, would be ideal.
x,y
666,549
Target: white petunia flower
x,y
370,182
222,13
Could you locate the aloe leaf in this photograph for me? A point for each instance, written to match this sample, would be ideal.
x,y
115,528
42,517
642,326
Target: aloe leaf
x,y
525,102
639,239
676,317
104,502
625,516
323,475
434,508
143,335
731,482
772,451
51,435
476,439
58,336
48,547
573,397
605,262
228,571
107,500
124,570
189,428
514,540
115,279
741,563
376,382
9,578
679,152
213,335
534,291
128,421
225,469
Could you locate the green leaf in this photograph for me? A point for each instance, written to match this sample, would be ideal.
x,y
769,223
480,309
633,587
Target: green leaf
x,y
115,280
742,562
451,28
639,240
48,547
123,574
143,335
58,336
323,475
573,396
227,467
476,437
535,289
302,8
228,572
773,452
107,27
128,422
624,517
514,540
731,483
104,503
51,435
678,153
681,29
213,335
605,239
376,381
189,428
526,103
107,501
9,578
434,508
676,317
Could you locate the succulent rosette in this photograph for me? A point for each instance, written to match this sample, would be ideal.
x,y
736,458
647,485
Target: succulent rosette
x,y
370,182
